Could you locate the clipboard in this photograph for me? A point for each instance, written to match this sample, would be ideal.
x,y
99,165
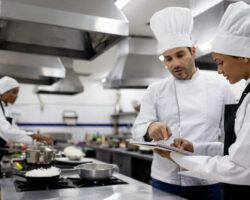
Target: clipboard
x,y
161,144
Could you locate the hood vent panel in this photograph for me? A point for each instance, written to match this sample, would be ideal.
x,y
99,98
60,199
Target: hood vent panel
x,y
77,29
70,85
27,68
137,65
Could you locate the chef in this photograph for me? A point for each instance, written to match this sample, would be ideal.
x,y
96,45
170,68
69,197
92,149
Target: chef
x,y
9,89
187,104
231,49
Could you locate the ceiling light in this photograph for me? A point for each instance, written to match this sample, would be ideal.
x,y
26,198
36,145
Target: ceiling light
x,y
121,3
103,80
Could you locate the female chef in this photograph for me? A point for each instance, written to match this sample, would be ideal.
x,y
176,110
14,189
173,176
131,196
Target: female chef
x,y
9,89
231,49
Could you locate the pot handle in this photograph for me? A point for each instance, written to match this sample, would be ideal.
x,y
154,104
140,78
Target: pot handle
x,y
41,158
20,174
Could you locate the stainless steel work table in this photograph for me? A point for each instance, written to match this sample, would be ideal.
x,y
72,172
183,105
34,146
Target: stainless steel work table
x,y
134,190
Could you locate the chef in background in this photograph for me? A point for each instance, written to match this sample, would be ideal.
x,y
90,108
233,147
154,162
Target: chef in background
x,y
187,104
231,52
9,89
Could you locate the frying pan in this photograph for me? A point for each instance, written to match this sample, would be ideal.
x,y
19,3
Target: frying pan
x,y
48,180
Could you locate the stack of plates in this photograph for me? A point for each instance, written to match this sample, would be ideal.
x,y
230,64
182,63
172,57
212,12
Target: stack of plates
x,y
67,160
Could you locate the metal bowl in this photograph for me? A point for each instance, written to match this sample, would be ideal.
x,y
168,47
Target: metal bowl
x,y
96,171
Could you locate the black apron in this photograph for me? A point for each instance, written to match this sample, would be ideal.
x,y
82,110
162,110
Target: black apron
x,y
233,192
2,141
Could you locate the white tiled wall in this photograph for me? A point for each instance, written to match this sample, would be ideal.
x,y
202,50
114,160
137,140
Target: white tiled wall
x,y
94,106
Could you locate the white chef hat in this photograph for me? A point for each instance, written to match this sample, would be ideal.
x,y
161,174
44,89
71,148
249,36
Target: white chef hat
x,y
172,27
7,83
233,34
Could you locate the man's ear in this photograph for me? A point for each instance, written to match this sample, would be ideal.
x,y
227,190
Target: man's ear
x,y
193,51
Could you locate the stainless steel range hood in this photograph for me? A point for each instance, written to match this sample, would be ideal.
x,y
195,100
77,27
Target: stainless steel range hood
x,y
70,85
137,64
80,29
27,68
205,27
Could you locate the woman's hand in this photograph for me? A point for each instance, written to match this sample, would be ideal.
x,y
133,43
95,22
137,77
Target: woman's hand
x,y
178,143
183,144
162,153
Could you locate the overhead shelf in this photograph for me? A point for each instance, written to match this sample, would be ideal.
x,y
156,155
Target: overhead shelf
x,y
124,114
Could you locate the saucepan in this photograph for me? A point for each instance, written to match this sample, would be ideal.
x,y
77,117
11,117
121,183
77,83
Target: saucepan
x,y
96,171
42,176
40,154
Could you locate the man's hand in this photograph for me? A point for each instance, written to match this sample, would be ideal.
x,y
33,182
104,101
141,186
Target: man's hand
x,y
165,154
47,139
159,131
183,144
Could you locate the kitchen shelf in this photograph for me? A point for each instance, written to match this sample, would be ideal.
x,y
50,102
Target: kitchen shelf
x,y
123,114
116,117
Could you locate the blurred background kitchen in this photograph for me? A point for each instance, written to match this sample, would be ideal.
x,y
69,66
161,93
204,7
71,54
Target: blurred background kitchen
x,y
84,67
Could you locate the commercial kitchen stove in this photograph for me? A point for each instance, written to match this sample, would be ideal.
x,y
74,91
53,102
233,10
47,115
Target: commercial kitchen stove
x,y
63,183
71,187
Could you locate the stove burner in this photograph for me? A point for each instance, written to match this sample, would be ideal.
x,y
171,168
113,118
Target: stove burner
x,y
22,186
92,183
63,183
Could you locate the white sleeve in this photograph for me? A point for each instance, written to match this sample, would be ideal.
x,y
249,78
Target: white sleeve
x,y
218,168
213,148
13,133
146,116
208,148
234,168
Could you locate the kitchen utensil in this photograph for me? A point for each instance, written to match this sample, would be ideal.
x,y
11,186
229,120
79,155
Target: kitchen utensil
x,y
38,180
40,155
96,171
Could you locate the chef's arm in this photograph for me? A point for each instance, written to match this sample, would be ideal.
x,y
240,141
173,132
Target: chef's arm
x,y
11,133
146,116
217,168
199,148
208,148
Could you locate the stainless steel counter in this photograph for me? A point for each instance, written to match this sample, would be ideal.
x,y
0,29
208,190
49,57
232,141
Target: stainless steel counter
x,y
134,190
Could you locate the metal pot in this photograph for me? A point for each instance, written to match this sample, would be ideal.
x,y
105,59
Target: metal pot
x,y
40,155
96,171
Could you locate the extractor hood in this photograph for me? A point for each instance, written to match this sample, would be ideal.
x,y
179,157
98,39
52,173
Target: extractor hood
x,y
70,85
31,68
137,64
205,27
80,29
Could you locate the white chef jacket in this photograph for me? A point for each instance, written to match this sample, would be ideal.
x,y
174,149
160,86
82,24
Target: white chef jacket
x,y
10,132
195,112
233,168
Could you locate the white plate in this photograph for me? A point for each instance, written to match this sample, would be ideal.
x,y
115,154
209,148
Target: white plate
x,y
66,160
